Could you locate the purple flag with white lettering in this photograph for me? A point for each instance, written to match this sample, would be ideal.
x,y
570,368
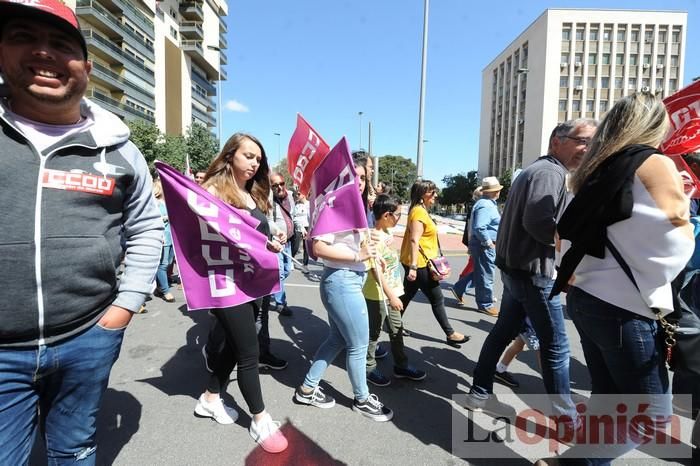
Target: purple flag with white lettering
x,y
223,260
335,200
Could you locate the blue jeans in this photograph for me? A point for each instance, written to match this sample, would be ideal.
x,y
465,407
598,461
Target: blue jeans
x,y
166,258
341,293
624,356
521,298
66,382
484,265
285,269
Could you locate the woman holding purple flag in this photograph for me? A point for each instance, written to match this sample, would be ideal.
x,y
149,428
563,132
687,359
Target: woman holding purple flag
x,y
239,176
344,255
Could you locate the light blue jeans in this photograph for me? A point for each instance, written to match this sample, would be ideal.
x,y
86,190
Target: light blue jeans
x,y
341,294
286,268
166,257
484,265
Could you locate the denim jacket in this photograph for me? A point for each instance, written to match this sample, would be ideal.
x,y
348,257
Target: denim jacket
x,y
485,220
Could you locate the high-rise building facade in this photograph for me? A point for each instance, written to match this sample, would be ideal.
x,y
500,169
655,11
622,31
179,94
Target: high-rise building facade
x,y
573,64
156,61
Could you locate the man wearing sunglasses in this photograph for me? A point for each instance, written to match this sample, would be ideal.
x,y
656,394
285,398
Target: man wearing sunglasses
x,y
282,222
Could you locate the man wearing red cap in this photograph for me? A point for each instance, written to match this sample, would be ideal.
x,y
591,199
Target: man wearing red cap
x,y
78,194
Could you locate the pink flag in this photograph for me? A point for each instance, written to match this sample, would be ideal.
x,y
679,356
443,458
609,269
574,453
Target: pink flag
x,y
223,260
335,201
306,151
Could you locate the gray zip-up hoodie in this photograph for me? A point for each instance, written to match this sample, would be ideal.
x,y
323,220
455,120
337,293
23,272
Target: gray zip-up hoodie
x,y
68,216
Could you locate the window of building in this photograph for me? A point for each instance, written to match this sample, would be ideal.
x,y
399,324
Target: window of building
x,y
645,82
662,36
566,34
592,58
646,59
620,59
674,60
590,105
593,34
562,105
173,32
634,35
676,37
565,58
578,81
659,83
578,58
672,84
633,59
603,106
607,34
621,33
632,83
604,82
564,81
590,82
661,60
580,34
648,36
618,83
606,59
576,105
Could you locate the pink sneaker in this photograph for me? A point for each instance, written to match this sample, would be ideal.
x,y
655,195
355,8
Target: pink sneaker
x,y
268,435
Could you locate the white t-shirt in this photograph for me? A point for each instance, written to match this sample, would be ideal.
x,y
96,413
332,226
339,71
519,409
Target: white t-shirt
x,y
347,241
43,135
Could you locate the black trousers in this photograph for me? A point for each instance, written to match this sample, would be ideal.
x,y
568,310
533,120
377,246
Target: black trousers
x,y
431,289
233,341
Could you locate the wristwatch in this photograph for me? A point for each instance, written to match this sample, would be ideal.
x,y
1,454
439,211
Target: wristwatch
x,y
413,267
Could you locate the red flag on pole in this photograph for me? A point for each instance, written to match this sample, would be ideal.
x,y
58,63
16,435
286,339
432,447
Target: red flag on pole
x,y
306,151
684,110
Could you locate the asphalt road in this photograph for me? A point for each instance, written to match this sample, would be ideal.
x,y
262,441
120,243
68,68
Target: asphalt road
x,y
147,416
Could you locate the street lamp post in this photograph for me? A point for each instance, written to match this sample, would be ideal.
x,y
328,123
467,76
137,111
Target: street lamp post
x,y
279,159
359,114
218,93
421,110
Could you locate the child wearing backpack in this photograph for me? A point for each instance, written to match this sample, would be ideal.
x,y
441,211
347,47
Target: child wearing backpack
x,y
382,295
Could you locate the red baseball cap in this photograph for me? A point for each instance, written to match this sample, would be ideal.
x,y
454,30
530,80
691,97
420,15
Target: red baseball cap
x,y
52,11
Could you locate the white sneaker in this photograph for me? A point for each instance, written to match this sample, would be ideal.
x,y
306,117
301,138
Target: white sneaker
x,y
216,410
267,434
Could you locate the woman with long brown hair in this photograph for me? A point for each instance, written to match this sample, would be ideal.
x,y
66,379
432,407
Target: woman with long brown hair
x,y
239,176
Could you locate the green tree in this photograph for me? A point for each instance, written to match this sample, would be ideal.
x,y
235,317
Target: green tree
x,y
399,172
201,145
458,188
172,150
146,136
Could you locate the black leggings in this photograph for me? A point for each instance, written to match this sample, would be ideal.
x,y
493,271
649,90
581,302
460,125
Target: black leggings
x,y
431,289
234,341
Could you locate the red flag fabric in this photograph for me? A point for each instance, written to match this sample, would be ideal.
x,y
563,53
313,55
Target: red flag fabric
x,y
684,110
306,151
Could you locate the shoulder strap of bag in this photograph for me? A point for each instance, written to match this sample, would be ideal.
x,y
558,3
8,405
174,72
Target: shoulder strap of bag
x,y
669,328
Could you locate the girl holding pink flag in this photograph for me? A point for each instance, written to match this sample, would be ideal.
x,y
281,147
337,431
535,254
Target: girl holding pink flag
x,y
344,255
239,176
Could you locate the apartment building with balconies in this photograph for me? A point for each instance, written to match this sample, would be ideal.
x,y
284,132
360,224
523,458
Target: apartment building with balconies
x,y
573,63
156,61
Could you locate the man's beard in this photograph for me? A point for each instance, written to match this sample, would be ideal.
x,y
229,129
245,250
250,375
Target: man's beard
x,y
67,96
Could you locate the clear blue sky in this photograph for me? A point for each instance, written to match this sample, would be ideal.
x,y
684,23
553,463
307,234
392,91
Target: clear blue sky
x,y
330,59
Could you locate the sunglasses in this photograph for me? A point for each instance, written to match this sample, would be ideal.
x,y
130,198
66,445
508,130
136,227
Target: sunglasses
x,y
277,185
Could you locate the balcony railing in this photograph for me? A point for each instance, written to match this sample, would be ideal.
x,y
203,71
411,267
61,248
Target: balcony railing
x,y
192,28
117,107
134,65
192,10
110,20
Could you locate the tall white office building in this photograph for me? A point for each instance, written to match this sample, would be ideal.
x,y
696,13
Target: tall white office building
x,y
570,64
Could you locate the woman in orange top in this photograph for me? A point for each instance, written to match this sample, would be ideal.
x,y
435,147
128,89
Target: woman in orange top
x,y
422,235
